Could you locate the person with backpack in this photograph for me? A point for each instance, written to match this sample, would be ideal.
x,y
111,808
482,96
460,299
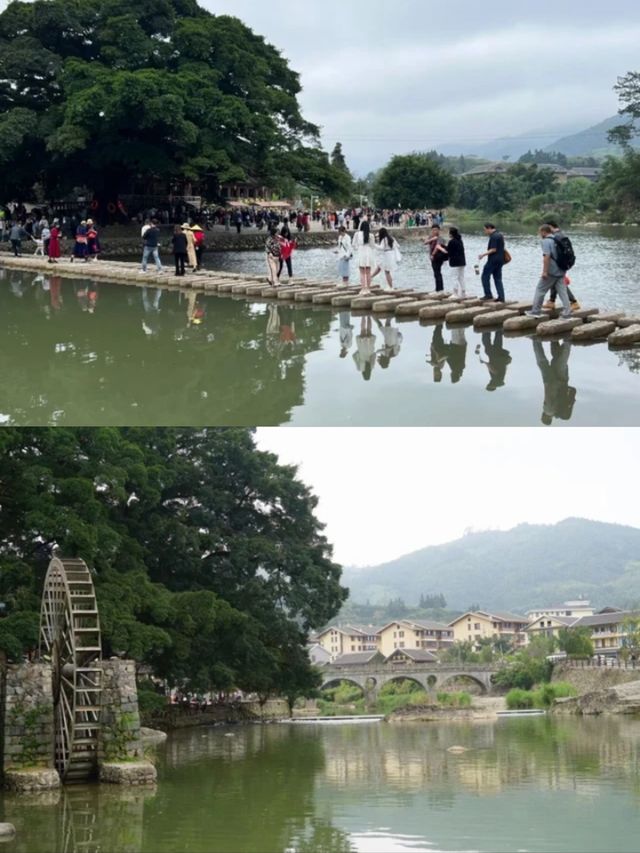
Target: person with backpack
x,y
568,259
552,274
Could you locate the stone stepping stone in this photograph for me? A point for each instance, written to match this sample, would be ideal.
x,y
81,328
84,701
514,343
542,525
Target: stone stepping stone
x,y
557,327
610,317
468,315
625,322
523,324
389,306
328,296
522,307
497,318
594,331
308,295
343,301
438,311
413,308
625,337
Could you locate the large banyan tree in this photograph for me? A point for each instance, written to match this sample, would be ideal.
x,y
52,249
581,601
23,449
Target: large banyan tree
x,y
105,93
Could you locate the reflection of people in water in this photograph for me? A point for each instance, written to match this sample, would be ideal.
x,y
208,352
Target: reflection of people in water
x,y
55,291
439,351
151,297
457,354
392,338
365,355
288,326
559,397
498,357
346,333
196,309
87,297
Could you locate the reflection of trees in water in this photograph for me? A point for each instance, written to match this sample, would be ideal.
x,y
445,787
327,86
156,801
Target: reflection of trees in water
x,y
259,797
631,359
130,363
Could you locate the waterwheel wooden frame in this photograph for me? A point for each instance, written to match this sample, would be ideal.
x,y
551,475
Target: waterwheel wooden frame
x,y
70,638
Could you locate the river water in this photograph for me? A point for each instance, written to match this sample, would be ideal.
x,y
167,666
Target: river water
x,y
524,785
85,353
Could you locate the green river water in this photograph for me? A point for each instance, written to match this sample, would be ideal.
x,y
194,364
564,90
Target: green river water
x,y
524,785
83,353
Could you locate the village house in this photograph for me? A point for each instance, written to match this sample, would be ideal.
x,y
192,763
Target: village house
x,y
472,627
411,634
608,629
549,626
349,639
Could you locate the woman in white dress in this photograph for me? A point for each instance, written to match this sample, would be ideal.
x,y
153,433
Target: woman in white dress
x,y
365,255
388,253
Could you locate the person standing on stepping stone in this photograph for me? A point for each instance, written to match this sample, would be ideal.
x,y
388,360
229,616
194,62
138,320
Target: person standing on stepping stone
x,y
495,256
551,302
552,276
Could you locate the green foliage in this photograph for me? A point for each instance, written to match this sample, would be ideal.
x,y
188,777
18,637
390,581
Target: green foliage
x,y
523,671
530,565
414,181
543,697
209,563
150,702
504,192
620,186
119,736
576,642
455,700
119,95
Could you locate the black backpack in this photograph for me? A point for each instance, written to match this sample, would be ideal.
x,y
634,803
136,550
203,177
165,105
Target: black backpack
x,y
565,255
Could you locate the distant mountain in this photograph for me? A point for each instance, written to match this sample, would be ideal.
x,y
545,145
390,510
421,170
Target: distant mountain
x,y
531,565
511,147
592,142
574,142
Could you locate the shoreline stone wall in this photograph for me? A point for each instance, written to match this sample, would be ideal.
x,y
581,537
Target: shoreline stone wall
x,y
28,732
592,679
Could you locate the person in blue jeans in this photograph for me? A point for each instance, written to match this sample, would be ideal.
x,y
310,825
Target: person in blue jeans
x,y
151,244
494,265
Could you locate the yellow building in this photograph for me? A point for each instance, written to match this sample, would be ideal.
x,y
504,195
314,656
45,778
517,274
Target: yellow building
x,y
338,641
409,634
473,627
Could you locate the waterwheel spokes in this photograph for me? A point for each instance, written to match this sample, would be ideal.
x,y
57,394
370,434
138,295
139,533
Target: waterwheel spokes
x,y
70,634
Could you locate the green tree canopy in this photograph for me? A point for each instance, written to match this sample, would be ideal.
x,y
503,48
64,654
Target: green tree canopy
x,y
576,642
111,96
414,181
209,562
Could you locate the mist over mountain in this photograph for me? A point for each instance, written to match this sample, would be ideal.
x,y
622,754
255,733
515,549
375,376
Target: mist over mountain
x,y
531,565
573,142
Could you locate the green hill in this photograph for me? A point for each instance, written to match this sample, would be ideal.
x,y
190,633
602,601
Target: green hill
x,y
531,565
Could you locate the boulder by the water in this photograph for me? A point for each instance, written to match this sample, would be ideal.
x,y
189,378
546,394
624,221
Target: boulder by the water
x,y
523,324
608,317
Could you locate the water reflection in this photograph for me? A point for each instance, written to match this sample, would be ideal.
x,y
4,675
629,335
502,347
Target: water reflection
x,y
78,352
361,788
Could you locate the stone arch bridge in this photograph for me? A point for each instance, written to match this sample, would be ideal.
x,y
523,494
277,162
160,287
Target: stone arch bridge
x,y
431,677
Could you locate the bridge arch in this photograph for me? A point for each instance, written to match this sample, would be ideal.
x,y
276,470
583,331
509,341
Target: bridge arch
x,y
465,676
337,680
399,677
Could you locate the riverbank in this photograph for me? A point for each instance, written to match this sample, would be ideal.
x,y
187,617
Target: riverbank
x,y
483,709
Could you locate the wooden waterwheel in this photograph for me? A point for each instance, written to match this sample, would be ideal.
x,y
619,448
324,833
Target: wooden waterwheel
x,y
70,637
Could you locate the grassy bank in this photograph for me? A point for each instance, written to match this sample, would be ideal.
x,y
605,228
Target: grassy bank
x,y
540,697
348,700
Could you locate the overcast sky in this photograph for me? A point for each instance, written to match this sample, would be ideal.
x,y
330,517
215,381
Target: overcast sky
x,y
384,493
389,78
